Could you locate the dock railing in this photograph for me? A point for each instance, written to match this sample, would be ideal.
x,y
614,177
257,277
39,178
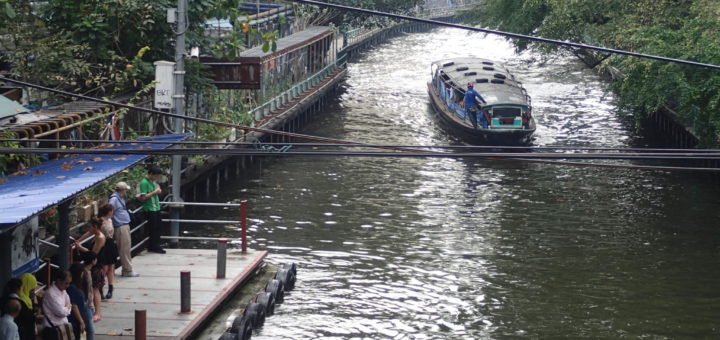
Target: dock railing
x,y
47,264
296,90
242,221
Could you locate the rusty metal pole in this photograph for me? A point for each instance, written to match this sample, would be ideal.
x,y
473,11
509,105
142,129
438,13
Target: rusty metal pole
x,y
140,324
221,258
243,224
48,270
185,292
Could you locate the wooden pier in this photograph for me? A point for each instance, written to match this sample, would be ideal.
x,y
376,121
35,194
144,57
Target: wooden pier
x,y
157,290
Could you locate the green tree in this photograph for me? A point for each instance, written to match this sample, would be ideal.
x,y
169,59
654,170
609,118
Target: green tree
x,y
684,29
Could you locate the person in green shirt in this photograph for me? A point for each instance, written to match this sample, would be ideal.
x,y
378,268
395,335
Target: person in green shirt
x,y
149,195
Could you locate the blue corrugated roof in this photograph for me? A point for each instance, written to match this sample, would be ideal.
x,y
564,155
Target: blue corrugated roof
x,y
51,182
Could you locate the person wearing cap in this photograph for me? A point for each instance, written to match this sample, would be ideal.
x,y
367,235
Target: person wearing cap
x,y
150,196
121,222
471,106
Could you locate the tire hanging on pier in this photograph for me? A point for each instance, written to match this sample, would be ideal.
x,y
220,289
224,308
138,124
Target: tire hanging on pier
x,y
276,288
242,326
255,312
229,336
266,299
263,305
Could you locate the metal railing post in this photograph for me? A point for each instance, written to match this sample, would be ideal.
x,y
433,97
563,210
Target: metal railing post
x,y
221,258
185,292
140,324
243,225
48,271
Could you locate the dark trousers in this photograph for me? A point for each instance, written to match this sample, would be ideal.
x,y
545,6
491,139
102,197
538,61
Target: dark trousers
x,y
153,229
472,114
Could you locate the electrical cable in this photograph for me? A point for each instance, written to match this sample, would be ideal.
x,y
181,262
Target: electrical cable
x,y
386,146
140,150
196,119
509,34
530,158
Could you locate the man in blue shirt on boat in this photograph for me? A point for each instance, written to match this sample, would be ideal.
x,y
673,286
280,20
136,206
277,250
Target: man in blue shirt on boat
x,y
471,106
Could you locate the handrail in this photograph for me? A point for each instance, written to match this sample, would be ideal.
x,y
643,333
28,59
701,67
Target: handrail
x,y
295,91
205,204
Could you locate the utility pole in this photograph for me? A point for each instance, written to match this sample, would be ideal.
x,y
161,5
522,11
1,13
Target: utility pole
x,y
179,101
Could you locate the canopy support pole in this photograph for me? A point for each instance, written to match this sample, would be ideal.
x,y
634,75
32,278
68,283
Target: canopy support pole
x,y
5,258
63,236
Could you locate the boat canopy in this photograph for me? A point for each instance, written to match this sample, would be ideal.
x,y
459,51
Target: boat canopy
x,y
492,80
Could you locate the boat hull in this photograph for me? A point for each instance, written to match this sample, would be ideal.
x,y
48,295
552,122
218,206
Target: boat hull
x,y
461,129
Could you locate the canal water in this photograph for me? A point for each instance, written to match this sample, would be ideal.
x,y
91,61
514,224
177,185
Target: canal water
x,y
480,249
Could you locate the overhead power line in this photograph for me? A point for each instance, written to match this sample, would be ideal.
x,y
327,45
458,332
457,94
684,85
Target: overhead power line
x,y
195,119
508,34
418,148
140,150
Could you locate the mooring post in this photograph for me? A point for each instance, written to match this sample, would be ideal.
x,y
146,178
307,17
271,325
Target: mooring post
x,y
140,324
243,225
221,258
185,292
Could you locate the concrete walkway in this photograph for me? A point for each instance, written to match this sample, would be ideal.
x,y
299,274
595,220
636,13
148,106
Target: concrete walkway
x,y
157,290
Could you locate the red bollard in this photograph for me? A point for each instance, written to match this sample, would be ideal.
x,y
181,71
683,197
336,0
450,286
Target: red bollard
x,y
140,324
243,224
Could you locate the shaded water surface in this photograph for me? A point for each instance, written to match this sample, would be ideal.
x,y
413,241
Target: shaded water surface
x,y
474,249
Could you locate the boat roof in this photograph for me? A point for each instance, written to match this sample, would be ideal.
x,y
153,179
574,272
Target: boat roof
x,y
492,79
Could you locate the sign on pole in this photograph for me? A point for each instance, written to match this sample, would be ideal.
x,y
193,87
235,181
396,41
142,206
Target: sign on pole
x,y
165,85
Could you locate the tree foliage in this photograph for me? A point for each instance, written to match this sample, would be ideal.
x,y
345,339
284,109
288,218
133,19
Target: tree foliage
x,y
683,29
98,47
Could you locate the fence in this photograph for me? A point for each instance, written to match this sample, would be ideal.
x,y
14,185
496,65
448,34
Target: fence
x,y
296,90
47,264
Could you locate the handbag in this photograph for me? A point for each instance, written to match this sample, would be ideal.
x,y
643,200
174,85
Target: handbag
x,y
60,332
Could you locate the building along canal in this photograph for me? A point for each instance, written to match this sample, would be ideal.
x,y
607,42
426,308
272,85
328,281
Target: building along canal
x,y
468,248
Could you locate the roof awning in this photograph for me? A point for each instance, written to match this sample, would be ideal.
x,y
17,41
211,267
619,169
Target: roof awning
x,y
25,194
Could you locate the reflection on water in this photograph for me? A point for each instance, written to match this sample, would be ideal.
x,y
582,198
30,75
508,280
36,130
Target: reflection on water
x,y
463,248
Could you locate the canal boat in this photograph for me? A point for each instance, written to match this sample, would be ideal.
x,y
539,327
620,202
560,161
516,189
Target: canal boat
x,y
508,109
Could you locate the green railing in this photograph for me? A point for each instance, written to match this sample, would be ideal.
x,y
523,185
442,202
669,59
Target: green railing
x,y
298,89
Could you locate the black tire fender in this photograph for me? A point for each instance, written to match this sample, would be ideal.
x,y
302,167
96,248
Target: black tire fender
x,y
255,312
276,288
292,267
242,326
229,336
266,299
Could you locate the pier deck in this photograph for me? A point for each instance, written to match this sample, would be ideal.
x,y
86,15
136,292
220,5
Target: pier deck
x,y
157,290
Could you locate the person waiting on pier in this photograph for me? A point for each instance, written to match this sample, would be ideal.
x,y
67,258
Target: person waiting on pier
x,y
81,317
89,261
21,289
471,106
56,305
111,254
121,222
150,196
98,270
8,328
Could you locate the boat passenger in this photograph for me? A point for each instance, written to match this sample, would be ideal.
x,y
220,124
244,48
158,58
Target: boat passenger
x,y
471,106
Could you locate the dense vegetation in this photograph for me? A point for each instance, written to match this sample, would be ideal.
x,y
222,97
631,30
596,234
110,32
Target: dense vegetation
x,y
684,29
100,47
